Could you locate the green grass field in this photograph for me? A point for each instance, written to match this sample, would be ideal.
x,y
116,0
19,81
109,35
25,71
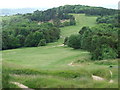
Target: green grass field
x,y
48,66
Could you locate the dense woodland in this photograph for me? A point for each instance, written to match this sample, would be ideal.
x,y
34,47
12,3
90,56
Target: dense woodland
x,y
34,29
62,12
21,32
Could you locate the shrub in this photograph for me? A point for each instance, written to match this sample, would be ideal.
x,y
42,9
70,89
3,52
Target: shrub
x,y
66,23
66,41
74,41
42,42
105,52
108,53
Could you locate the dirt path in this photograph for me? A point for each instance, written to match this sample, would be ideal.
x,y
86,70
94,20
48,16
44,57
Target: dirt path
x,y
110,73
111,81
101,79
61,45
97,78
71,64
21,86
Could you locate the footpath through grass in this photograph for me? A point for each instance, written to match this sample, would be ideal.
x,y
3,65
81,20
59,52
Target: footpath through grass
x,y
48,66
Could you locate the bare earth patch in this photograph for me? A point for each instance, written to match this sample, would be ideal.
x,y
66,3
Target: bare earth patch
x,y
59,45
101,79
21,85
97,78
111,81
71,64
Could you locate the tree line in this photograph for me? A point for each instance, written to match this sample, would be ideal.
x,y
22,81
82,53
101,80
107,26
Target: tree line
x,y
62,12
109,19
101,41
20,32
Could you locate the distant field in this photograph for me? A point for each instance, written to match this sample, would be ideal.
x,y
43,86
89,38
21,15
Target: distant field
x,y
81,20
49,66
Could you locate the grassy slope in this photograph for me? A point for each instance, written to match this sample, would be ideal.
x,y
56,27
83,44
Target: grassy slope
x,y
81,20
36,57
43,57
55,60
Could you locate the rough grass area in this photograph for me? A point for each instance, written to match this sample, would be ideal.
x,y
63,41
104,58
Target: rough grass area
x,y
77,78
107,62
48,66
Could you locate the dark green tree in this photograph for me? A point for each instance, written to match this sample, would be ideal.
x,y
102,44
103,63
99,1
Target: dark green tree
x,y
56,22
74,41
72,21
42,42
66,41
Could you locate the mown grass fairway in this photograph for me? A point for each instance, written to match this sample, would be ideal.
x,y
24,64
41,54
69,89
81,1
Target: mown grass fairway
x,y
81,21
48,66
43,57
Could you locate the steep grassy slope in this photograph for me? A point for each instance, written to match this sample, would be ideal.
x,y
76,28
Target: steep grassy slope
x,y
50,66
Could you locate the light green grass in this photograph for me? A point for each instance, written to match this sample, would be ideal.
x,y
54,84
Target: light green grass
x,y
43,57
48,66
50,57
81,20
